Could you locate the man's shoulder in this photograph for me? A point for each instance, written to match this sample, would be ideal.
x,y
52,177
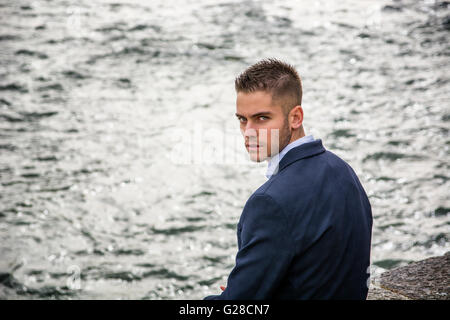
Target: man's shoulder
x,y
309,168
303,176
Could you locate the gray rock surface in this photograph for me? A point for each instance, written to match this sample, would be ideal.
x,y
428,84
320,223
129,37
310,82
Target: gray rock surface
x,y
427,279
378,293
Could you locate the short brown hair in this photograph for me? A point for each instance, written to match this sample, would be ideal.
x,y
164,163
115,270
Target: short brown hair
x,y
275,77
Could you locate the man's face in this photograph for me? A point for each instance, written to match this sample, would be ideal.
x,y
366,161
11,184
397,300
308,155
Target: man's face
x,y
264,126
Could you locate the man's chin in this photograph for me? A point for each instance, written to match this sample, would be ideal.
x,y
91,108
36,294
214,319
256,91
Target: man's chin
x,y
256,157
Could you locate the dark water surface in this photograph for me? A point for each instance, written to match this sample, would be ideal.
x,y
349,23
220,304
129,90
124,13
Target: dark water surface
x,y
100,199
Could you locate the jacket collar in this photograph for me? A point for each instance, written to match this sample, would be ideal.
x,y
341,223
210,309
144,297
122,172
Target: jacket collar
x,y
272,166
303,151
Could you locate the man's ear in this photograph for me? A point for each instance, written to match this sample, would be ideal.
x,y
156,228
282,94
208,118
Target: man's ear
x,y
296,117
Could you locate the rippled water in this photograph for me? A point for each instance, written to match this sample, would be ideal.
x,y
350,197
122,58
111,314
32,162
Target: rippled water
x,y
97,100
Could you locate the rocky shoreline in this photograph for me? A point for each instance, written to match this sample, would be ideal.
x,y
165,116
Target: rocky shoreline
x,y
427,279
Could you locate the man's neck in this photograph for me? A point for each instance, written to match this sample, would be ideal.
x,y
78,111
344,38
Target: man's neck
x,y
297,135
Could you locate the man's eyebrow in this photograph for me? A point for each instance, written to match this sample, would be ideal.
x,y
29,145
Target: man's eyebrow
x,y
263,113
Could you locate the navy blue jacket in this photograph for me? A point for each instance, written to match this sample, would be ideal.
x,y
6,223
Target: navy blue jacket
x,y
305,233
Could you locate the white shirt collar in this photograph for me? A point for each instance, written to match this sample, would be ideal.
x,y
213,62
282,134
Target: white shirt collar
x,y
272,167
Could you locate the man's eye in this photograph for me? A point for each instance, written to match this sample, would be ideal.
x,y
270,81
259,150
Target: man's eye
x,y
241,119
263,118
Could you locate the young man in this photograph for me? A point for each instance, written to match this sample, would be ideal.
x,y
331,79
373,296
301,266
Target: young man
x,y
306,232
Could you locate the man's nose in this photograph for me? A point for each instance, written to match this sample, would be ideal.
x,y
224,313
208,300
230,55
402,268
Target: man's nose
x,y
250,132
